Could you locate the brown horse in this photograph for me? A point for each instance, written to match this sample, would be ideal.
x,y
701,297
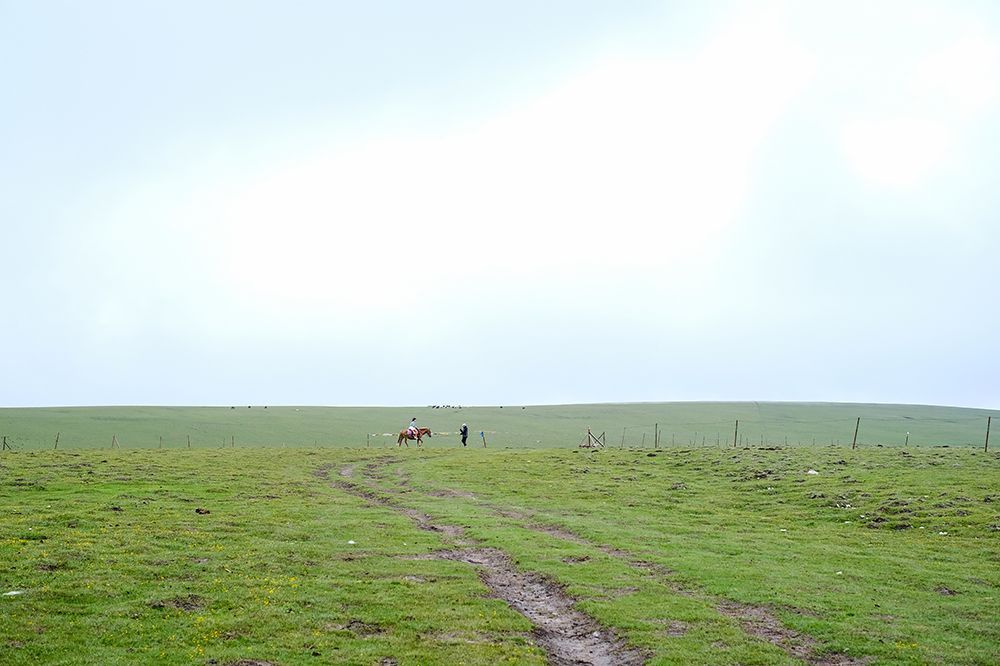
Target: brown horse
x,y
406,434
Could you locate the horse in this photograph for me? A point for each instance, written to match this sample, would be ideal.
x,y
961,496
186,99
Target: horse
x,y
405,435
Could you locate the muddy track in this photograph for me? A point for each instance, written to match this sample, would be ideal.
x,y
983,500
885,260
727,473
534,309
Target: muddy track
x,y
568,636
758,621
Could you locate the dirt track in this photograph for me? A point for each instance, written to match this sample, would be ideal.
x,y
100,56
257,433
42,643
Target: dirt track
x,y
568,636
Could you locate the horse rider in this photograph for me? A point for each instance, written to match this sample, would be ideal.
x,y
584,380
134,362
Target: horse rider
x,y
412,428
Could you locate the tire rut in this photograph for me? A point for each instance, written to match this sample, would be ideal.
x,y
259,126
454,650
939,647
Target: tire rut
x,y
568,636
757,621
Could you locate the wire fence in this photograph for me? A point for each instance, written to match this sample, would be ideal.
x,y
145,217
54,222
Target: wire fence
x,y
879,431
738,433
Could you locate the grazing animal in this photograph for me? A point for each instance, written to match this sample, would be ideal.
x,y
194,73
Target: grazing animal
x,y
407,435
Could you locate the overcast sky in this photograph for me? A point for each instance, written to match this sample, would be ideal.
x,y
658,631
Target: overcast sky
x,y
410,203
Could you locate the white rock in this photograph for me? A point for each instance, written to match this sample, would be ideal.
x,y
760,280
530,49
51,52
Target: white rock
x,y
13,593
812,471
351,542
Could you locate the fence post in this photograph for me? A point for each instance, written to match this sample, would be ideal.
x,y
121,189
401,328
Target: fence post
x,y
189,441
656,435
735,432
5,444
986,446
857,425
57,441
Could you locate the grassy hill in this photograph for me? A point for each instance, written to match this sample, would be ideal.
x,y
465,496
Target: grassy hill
x,y
682,424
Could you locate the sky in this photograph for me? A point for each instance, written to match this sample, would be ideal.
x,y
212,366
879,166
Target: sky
x,y
399,203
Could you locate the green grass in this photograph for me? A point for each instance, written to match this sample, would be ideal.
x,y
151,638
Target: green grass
x,y
691,424
117,566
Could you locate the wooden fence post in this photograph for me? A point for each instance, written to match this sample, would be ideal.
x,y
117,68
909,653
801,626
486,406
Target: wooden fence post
x,y
735,432
857,425
986,446
57,441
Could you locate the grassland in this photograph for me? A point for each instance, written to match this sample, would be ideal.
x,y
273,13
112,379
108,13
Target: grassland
x,y
703,424
312,556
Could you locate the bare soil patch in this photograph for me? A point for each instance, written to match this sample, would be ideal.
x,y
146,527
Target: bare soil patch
x,y
363,628
760,622
676,628
567,635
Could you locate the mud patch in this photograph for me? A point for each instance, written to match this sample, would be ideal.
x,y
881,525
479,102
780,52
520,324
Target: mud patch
x,y
566,634
675,628
50,566
552,530
360,628
576,559
451,531
760,622
659,569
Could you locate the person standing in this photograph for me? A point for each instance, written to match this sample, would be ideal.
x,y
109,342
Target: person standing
x,y
464,431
